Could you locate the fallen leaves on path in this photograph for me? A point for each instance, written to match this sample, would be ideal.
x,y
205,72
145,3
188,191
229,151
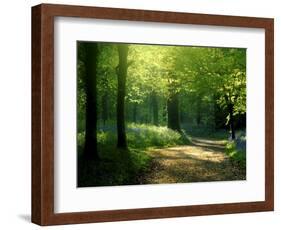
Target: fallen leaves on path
x,y
204,160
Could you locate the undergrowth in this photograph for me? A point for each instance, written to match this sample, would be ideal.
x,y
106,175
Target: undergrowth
x,y
237,155
124,167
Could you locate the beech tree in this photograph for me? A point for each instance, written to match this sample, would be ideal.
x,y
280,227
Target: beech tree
x,y
160,85
121,71
90,65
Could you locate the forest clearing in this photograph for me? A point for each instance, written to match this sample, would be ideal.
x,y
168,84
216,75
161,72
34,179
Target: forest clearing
x,y
156,114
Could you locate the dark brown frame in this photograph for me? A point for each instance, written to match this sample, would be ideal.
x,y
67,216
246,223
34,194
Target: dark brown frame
x,y
43,113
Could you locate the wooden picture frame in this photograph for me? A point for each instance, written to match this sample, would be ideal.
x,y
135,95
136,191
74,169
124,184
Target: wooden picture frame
x,y
43,114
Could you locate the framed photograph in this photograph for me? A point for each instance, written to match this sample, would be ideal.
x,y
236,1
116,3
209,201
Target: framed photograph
x,y
145,114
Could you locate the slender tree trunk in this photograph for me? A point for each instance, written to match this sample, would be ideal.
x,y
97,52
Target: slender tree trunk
x,y
173,112
154,105
219,114
231,120
122,75
198,111
164,112
90,148
135,109
104,103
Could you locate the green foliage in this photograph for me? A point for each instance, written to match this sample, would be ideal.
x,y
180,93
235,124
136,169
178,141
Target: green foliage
x,y
238,156
210,84
116,167
139,136
203,77
123,166
143,136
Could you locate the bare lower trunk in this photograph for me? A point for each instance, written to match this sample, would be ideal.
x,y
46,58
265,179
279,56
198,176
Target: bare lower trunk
x,y
90,148
154,105
231,121
198,112
122,75
173,112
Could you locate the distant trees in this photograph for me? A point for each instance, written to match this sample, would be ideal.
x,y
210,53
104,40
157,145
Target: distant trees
x,y
215,77
154,106
231,84
154,71
106,82
161,85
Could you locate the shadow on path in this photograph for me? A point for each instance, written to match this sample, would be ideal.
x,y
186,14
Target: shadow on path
x,y
203,160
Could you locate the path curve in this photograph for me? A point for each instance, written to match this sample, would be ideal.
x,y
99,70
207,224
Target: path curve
x,y
204,160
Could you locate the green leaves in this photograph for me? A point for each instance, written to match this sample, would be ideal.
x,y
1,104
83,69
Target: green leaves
x,y
202,76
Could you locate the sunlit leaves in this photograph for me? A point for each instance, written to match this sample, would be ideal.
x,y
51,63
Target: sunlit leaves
x,y
200,75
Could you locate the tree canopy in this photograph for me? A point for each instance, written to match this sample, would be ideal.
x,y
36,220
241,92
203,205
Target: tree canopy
x,y
198,79
132,97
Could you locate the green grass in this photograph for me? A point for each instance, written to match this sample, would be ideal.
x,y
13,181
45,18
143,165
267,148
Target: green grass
x,y
238,156
140,136
143,136
115,167
124,167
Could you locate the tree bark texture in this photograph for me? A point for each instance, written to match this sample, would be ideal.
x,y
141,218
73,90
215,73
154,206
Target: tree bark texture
x,y
154,105
121,75
90,148
173,112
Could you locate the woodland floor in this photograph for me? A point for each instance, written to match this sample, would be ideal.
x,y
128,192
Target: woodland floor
x,y
203,160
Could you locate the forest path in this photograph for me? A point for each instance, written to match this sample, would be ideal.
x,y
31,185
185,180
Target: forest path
x,y
203,160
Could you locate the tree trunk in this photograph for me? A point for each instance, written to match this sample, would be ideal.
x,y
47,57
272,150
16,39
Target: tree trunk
x,y
90,148
173,112
135,109
122,75
164,112
198,110
154,105
231,121
104,108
